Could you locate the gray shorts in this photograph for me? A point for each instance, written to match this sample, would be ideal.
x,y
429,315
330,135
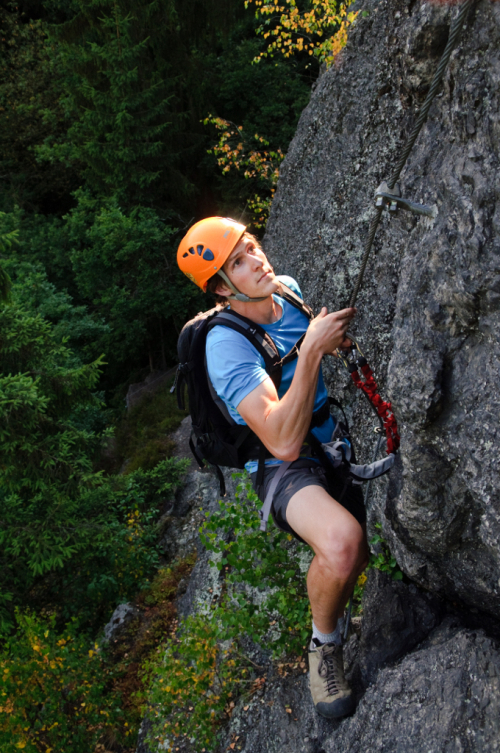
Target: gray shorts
x,y
305,473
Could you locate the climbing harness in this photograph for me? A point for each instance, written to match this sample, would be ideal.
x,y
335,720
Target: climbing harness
x,y
388,194
380,434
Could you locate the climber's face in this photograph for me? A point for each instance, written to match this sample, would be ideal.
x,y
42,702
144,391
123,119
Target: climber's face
x,y
249,270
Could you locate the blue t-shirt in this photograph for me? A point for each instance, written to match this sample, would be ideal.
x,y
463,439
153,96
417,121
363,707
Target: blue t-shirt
x,y
236,368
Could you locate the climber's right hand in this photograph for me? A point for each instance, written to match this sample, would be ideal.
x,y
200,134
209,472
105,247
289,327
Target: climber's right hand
x,y
327,332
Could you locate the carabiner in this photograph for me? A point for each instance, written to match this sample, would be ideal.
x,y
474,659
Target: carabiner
x,y
349,356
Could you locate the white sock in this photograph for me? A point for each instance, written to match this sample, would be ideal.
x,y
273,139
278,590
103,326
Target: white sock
x,y
334,637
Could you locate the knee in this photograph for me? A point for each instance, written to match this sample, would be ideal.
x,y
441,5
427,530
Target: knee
x,y
345,550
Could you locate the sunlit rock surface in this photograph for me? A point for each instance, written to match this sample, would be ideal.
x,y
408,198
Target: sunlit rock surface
x,y
429,315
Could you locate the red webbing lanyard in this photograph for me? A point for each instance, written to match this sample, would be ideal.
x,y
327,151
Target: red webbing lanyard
x,y
355,361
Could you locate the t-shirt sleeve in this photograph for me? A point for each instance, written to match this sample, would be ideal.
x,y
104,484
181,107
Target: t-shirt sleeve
x,y
234,366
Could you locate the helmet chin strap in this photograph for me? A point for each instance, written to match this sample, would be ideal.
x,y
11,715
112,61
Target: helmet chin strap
x,y
237,295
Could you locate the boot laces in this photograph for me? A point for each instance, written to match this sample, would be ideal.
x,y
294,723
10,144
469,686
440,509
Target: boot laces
x,y
330,668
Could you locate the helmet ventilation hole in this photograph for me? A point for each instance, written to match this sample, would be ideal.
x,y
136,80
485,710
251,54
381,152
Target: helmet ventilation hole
x,y
199,249
191,250
208,255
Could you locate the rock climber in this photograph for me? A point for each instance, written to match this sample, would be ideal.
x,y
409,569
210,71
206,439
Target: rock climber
x,y
305,503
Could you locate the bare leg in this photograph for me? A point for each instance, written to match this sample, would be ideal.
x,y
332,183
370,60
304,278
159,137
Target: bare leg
x,y
340,548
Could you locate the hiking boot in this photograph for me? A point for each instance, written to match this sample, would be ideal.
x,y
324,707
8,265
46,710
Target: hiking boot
x,y
330,692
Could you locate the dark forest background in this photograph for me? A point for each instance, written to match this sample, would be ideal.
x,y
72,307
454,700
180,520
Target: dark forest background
x,y
104,164
108,112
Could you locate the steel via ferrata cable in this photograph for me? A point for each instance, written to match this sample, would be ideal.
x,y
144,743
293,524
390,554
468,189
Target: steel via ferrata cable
x,y
422,116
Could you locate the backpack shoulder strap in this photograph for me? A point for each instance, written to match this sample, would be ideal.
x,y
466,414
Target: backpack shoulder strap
x,y
296,301
257,336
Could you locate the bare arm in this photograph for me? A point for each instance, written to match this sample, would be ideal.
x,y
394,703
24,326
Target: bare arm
x,y
282,425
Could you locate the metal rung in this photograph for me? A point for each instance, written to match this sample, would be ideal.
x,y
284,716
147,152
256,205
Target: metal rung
x,y
394,201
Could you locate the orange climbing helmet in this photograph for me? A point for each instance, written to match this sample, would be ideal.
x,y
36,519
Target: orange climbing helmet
x,y
206,247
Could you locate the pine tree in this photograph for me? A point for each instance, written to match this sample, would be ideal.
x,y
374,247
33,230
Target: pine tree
x,y
28,93
72,541
119,97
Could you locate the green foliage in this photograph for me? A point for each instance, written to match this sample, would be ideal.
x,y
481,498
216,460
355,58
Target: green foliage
x,y
31,289
40,383
318,27
163,586
267,98
54,690
202,671
115,547
33,292
141,638
7,239
118,95
44,243
69,537
28,88
265,572
258,165
192,685
109,95
382,559
266,124
125,264
142,434
5,286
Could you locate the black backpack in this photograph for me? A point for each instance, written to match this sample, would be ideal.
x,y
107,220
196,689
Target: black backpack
x,y
215,436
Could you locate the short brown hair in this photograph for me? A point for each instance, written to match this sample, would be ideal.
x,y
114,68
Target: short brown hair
x,y
212,284
216,280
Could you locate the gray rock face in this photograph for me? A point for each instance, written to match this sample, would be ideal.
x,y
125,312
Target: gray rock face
x,y
396,618
152,383
181,439
443,698
429,309
427,680
123,614
424,685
